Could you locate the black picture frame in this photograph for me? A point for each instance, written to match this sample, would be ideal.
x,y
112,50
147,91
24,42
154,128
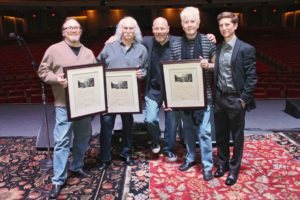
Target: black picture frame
x,y
86,91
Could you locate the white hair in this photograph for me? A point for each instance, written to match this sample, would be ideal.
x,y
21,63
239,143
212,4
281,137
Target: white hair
x,y
137,30
188,11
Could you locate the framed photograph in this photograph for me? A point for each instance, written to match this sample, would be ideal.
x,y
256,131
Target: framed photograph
x,y
123,91
184,84
85,94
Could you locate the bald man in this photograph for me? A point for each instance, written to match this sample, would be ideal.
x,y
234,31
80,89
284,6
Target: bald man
x,y
159,49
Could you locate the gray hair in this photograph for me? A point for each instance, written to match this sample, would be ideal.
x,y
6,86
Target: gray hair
x,y
137,30
190,11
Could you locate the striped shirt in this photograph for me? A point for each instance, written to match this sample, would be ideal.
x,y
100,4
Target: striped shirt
x,y
208,51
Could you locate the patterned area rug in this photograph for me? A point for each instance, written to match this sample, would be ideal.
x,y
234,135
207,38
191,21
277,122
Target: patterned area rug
x,y
294,136
21,177
270,170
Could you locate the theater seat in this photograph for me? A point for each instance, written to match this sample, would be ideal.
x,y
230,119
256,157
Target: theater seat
x,y
3,100
293,93
274,93
16,99
36,98
260,93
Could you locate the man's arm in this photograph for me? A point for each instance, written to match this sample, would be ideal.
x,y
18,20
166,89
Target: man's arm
x,y
212,38
249,68
142,70
45,71
205,64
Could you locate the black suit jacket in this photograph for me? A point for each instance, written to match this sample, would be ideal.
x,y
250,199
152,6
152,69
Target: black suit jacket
x,y
243,67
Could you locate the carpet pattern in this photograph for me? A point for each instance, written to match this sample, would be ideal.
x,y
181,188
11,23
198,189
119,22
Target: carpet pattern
x,y
21,178
270,170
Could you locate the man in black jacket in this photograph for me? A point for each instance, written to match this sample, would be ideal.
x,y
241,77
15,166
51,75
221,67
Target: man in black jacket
x,y
159,49
235,80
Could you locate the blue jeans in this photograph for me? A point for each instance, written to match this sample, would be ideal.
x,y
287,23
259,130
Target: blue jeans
x,y
107,125
62,142
172,120
152,119
205,142
189,134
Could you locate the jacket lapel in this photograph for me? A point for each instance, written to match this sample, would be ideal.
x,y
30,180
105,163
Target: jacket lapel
x,y
218,51
236,49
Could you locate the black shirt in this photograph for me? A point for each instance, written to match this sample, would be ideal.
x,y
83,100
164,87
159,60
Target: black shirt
x,y
159,53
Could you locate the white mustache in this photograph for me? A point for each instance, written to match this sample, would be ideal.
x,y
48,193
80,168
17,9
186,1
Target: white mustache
x,y
128,34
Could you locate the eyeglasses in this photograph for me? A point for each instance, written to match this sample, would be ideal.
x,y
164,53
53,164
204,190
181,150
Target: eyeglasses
x,y
71,28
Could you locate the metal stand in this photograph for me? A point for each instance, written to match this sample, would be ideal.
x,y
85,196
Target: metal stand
x,y
45,164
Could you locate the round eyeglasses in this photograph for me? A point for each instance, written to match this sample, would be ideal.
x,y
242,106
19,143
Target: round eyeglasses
x,y
72,28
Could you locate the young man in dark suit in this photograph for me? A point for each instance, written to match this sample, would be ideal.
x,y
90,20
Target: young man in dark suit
x,y
235,80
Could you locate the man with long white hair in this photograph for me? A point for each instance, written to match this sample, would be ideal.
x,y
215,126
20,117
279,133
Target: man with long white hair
x,y
127,51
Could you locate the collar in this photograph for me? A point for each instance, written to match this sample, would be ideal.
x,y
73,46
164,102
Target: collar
x,y
133,44
231,43
157,44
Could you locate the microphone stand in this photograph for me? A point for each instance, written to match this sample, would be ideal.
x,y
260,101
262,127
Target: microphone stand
x,y
45,164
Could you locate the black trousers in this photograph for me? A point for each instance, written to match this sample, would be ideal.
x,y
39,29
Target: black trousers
x,y
229,118
107,125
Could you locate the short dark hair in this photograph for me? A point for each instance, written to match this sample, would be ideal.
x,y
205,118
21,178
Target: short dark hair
x,y
232,16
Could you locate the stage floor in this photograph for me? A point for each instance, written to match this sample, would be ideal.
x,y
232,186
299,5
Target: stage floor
x,y
27,119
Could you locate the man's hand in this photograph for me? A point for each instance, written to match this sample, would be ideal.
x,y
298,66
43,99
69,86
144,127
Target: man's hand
x,y
139,73
110,40
166,108
211,37
243,103
61,80
204,63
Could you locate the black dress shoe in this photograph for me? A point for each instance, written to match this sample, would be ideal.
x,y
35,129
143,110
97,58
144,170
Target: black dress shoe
x,y
104,165
81,173
54,192
231,179
128,160
221,171
207,175
186,165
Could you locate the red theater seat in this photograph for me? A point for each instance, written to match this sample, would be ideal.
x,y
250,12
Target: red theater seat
x,y
16,99
293,93
274,93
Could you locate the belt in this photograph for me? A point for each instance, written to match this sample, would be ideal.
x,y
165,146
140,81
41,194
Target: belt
x,y
227,91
